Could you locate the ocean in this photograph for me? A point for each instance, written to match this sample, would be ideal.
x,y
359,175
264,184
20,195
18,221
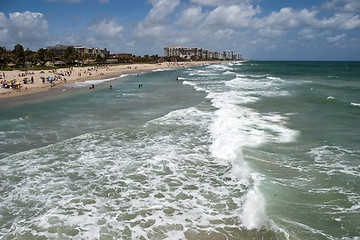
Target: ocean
x,y
235,150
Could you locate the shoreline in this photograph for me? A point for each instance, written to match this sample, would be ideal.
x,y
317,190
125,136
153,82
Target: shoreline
x,y
72,75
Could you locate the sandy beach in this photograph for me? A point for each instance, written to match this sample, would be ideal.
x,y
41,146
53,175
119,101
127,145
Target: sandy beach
x,y
35,82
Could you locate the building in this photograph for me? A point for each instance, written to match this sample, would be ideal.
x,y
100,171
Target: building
x,y
92,51
228,54
58,49
237,57
197,53
183,52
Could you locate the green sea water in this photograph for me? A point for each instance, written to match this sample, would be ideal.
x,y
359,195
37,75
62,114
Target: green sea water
x,y
242,150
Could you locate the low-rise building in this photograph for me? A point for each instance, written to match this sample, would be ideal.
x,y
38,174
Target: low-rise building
x,y
58,49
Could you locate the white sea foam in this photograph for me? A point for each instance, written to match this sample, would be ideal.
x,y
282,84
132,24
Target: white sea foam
x,y
355,104
191,83
229,73
163,69
127,74
332,160
234,127
219,67
203,73
273,78
87,83
253,210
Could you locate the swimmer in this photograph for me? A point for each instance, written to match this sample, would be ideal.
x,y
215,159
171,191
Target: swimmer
x,y
28,115
110,87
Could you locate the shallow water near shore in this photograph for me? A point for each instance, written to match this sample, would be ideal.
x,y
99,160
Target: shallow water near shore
x,y
243,150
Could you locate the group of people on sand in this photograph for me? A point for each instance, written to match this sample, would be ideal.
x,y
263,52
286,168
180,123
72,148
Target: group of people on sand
x,y
11,84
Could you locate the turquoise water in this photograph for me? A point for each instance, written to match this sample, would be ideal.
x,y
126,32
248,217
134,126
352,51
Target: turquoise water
x,y
243,150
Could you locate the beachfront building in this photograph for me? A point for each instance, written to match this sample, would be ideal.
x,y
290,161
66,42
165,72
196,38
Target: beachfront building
x,y
228,54
197,53
237,57
185,52
58,49
92,51
219,56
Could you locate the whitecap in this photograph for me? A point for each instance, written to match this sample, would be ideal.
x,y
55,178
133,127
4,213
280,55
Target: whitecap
x,y
163,69
89,82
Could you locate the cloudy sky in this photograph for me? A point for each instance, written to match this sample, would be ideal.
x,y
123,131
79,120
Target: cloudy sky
x,y
257,29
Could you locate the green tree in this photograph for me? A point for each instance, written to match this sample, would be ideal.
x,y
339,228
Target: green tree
x,y
50,56
41,55
155,58
70,54
29,56
100,59
3,57
19,55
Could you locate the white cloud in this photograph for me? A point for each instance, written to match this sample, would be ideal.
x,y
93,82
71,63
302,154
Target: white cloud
x,y
352,6
234,16
3,21
151,32
156,24
106,30
269,32
161,9
345,21
219,2
287,18
308,34
336,38
106,33
27,28
191,17
224,33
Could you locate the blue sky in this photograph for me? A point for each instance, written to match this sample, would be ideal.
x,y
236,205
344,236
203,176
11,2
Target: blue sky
x,y
257,29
